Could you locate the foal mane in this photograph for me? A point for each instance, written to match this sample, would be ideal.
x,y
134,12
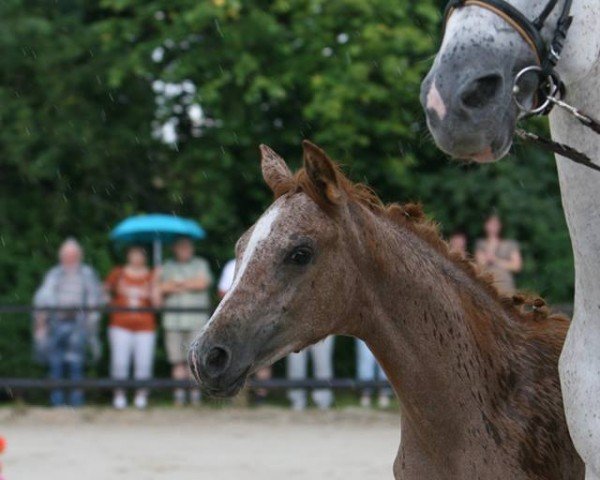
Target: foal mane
x,y
527,308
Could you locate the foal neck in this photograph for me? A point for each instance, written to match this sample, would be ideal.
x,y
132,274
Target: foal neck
x,y
447,345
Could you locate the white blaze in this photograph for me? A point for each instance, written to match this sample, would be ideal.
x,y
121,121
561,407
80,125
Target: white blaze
x,y
261,232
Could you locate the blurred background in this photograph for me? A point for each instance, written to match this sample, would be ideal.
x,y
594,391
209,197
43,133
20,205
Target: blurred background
x,y
117,107
114,108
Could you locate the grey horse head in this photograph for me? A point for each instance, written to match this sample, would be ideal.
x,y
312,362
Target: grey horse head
x,y
468,93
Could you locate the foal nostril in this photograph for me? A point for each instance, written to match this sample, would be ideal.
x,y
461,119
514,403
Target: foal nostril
x,y
216,361
481,91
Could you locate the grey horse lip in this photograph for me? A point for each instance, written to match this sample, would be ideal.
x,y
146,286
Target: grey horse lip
x,y
231,389
484,156
495,150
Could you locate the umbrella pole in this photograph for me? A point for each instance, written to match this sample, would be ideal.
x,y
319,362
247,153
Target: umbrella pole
x,y
157,252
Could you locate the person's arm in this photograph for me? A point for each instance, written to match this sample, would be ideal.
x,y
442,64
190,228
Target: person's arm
x,y
167,286
171,286
45,294
200,282
44,298
481,255
514,264
40,322
155,290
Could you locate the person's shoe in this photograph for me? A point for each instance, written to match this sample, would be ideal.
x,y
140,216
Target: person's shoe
x,y
141,401
120,401
384,401
365,401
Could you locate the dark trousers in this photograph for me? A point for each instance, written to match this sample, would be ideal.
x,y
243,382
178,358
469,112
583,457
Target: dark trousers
x,y
66,359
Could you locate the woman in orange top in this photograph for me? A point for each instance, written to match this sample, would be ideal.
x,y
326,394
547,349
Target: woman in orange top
x,y
132,335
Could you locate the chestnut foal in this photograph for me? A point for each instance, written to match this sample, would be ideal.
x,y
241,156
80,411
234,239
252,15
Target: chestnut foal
x,y
476,375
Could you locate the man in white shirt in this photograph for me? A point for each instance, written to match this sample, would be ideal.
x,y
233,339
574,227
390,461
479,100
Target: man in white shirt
x,y
227,276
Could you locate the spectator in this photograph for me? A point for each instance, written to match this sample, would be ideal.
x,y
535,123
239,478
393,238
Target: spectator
x,y
185,283
500,257
226,279
369,370
132,335
225,283
458,243
322,360
66,334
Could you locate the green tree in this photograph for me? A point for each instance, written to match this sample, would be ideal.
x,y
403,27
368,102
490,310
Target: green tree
x,y
87,87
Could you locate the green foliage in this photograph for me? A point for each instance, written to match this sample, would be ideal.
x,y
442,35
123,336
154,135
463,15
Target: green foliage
x,y
77,151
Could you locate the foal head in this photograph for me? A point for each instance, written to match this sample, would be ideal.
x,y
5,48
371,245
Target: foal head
x,y
293,274
468,93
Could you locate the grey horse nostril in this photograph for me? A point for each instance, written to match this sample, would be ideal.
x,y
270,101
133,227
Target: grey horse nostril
x,y
481,91
216,361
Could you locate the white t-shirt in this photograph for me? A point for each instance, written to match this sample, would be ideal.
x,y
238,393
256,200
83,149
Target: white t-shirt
x,y
227,275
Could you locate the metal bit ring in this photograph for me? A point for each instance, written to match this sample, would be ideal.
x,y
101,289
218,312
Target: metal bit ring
x,y
551,85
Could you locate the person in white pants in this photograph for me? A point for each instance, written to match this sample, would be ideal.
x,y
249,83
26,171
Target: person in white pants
x,y
131,332
367,369
322,359
127,345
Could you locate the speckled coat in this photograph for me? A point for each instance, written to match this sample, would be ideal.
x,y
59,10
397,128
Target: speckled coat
x,y
475,374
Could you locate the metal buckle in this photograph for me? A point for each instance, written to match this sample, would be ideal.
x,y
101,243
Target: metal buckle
x,y
551,85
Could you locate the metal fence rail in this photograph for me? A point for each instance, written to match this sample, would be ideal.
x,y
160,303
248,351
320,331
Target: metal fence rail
x,y
22,384
99,384
27,384
23,309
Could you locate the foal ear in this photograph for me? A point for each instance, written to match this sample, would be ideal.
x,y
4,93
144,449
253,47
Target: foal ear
x,y
274,169
322,173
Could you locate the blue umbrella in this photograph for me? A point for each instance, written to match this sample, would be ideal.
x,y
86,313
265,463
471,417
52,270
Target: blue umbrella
x,y
157,229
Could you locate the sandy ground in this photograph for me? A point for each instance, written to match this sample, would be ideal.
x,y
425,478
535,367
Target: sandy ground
x,y
213,444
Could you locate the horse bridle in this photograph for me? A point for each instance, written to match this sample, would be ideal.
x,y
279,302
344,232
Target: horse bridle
x,y
547,55
550,90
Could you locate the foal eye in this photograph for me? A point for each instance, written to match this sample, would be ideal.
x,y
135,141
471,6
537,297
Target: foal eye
x,y
300,256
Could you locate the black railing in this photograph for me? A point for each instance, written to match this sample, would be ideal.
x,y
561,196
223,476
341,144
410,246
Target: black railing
x,y
22,384
12,309
17,385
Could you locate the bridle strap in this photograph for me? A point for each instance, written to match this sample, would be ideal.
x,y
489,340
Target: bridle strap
x,y
547,55
510,15
543,16
558,38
